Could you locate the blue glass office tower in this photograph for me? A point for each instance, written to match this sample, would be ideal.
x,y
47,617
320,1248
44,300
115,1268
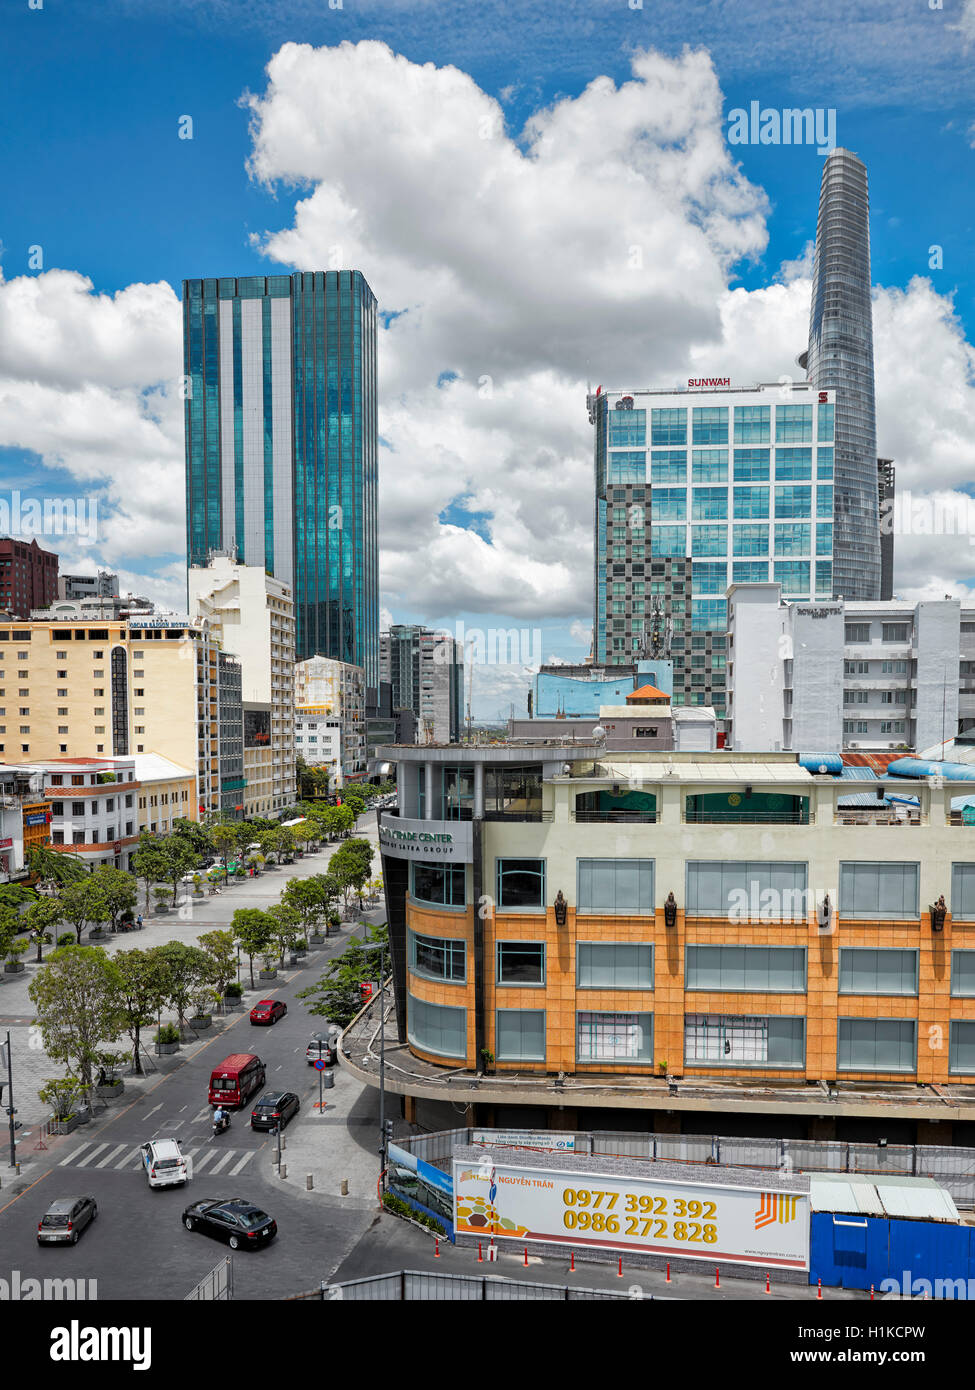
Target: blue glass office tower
x,y
840,358
281,445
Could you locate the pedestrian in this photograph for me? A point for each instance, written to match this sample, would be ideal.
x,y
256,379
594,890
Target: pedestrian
x,y
138,921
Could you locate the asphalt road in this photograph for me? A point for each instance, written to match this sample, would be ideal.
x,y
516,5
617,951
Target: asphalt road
x,y
137,1248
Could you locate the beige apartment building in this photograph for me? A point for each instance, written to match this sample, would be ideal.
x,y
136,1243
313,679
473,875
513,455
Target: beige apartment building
x,y
113,689
251,614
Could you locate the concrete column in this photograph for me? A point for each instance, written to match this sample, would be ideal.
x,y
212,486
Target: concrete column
x,y
428,809
409,1109
822,1128
478,790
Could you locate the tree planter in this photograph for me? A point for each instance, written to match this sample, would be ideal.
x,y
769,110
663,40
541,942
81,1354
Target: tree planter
x,y
316,939
110,1091
161,909
166,1049
13,967
84,1116
97,933
267,974
201,1021
199,893
66,1125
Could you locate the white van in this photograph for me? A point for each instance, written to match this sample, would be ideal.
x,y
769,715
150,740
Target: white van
x,y
164,1163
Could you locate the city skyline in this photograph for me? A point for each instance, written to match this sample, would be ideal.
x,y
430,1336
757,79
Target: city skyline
x,y
492,326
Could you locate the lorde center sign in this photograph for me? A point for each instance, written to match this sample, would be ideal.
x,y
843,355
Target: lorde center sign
x,y
450,842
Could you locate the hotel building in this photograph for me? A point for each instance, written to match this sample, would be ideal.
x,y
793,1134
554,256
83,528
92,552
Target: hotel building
x,y
570,927
696,490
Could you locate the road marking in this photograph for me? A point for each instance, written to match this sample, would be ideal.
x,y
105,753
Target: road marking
x,y
237,1167
152,1111
204,1158
88,1157
76,1153
223,1162
103,1163
200,1114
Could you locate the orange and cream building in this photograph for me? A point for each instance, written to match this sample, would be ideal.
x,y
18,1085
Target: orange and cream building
x,y
719,920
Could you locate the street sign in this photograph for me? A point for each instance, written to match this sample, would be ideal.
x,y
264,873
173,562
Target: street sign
x,y
117,847
319,1065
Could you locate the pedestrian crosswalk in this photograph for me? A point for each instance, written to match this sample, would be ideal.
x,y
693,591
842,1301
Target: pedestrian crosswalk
x,y
124,1157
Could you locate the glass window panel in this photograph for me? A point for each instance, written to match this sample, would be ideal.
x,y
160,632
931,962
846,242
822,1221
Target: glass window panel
x,y
437,1028
709,466
963,892
521,962
618,886
866,970
520,1035
961,1046
614,1037
438,958
876,1044
963,973
521,883
614,965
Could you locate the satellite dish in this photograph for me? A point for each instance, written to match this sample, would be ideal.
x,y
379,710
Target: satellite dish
x,y
598,733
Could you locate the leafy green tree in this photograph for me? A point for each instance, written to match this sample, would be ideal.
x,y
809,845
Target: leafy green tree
x,y
225,840
10,928
311,898
119,890
82,904
178,857
185,968
337,994
76,995
254,931
198,836
142,980
351,864
287,926
149,863
42,918
219,946
54,870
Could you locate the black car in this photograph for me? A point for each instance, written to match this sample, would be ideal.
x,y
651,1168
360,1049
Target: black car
x,y
240,1223
65,1219
277,1107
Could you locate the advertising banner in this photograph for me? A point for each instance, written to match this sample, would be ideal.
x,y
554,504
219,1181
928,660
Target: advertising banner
x,y
257,728
525,1139
421,1186
442,841
693,1219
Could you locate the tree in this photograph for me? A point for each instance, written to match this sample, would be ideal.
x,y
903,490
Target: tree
x,y
82,904
196,835
254,931
53,870
303,834
119,891
10,927
311,897
41,918
219,946
76,994
350,864
185,969
141,994
225,840
149,863
287,926
338,995
178,857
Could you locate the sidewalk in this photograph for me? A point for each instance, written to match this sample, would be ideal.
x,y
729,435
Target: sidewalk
x,y
192,917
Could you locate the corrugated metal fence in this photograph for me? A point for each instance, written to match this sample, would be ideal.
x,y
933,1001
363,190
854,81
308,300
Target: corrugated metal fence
x,y
952,1167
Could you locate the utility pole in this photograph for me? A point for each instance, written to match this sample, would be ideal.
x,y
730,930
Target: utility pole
x,y
11,1112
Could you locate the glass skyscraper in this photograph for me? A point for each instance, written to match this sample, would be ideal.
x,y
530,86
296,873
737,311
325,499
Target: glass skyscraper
x,y
281,445
840,358
697,490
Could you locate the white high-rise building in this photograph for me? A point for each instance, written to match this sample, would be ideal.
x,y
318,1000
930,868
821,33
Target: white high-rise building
x,y
827,675
251,614
327,692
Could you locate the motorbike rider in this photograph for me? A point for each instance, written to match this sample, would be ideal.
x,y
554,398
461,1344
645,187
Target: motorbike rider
x,y
221,1118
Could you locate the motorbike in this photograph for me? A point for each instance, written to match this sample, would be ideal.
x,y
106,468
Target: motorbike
x,y
220,1125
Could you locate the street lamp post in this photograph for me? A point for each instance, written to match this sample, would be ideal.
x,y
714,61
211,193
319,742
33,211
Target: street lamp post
x,y
381,948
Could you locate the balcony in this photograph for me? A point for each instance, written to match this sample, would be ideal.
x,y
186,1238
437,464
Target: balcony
x,y
619,816
747,808
805,817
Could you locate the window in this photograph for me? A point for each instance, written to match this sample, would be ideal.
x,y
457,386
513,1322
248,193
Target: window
x,y
627,428
824,539
614,965
614,1037
618,887
437,1028
963,892
709,577
668,426
753,424
752,465
709,466
793,575
668,540
764,969
668,466
884,889
733,1040
865,971
751,502
668,504
824,464
793,538
793,424
709,425
707,613
520,1035
824,503
747,890
709,503
877,1044
793,502
709,540
824,423
896,632
857,632
961,1046
442,884
521,883
521,962
649,732
623,467
438,958
750,540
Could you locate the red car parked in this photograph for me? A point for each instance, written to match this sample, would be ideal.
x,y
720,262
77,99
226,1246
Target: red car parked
x,y
268,1011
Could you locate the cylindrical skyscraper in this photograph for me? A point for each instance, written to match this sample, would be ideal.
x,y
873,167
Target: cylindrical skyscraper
x,y
840,358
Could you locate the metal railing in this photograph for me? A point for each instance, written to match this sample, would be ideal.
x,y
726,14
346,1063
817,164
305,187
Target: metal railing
x,y
750,818
519,815
615,817
215,1287
406,1285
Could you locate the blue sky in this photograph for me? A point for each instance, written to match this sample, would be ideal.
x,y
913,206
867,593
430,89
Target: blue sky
x,y
97,177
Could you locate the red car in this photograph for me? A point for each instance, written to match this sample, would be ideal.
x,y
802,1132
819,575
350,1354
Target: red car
x,y
268,1011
